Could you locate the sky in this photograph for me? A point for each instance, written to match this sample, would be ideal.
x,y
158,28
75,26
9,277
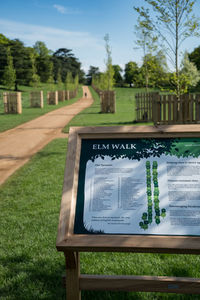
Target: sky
x,y
80,25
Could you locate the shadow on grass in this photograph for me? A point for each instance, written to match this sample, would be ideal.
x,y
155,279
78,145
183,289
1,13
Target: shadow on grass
x,y
31,278
39,278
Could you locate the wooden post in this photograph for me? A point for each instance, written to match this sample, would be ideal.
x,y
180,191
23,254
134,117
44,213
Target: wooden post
x,y
5,102
72,261
19,103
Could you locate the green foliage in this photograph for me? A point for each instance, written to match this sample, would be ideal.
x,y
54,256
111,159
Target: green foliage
x,y
194,57
131,74
189,70
172,21
69,82
109,74
9,76
35,79
59,80
3,39
117,75
65,60
50,80
43,61
91,73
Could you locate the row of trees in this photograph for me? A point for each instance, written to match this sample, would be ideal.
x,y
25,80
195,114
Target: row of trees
x,y
20,65
153,73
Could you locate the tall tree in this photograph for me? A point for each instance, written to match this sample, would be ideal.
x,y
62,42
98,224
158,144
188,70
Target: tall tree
x,y
194,57
91,72
131,73
43,58
173,21
22,62
189,74
147,42
109,69
65,60
9,75
117,75
35,78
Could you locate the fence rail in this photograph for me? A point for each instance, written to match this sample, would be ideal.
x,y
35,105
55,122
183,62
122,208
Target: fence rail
x,y
167,109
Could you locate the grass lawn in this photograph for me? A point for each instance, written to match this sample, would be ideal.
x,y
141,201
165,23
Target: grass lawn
x,y
125,111
30,266
8,121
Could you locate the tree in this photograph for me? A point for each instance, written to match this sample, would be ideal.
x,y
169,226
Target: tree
x,y
43,58
189,73
131,73
35,79
91,72
194,57
9,75
3,39
154,70
59,80
65,60
173,23
69,82
117,75
22,62
147,42
50,80
109,69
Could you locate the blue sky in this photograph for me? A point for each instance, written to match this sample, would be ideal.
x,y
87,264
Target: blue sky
x,y
79,25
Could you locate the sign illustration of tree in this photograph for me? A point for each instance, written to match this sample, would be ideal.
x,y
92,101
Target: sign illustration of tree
x,y
152,198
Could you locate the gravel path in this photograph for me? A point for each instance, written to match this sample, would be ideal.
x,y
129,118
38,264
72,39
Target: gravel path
x,y
19,144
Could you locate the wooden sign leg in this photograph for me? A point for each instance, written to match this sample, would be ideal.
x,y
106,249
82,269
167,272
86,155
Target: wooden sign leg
x,y
72,275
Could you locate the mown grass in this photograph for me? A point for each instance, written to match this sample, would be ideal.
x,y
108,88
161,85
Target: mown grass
x,y
8,121
30,266
125,111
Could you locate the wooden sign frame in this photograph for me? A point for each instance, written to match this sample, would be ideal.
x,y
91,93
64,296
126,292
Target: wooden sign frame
x,y
71,244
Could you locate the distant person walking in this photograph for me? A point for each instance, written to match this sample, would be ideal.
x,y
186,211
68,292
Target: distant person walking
x,y
85,95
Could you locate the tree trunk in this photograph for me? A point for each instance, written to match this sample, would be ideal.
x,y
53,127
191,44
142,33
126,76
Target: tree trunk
x,y
16,87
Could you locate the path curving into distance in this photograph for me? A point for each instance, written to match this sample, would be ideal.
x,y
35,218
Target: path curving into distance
x,y
19,144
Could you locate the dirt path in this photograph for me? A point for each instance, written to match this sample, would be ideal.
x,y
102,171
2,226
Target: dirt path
x,y
19,144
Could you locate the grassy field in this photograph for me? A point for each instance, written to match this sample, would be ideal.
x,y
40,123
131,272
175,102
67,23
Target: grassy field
x,y
8,121
30,266
125,111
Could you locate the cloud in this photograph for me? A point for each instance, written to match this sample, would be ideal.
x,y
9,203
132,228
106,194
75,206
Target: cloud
x,y
60,8
65,10
87,47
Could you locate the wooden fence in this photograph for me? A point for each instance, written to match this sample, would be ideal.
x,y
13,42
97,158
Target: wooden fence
x,y
144,103
36,99
12,103
167,109
52,98
108,102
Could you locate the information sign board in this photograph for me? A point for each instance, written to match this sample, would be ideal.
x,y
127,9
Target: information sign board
x,y
132,189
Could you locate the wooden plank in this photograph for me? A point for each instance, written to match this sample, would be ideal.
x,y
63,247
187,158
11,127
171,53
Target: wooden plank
x,y
197,108
170,99
140,283
72,276
131,243
164,103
